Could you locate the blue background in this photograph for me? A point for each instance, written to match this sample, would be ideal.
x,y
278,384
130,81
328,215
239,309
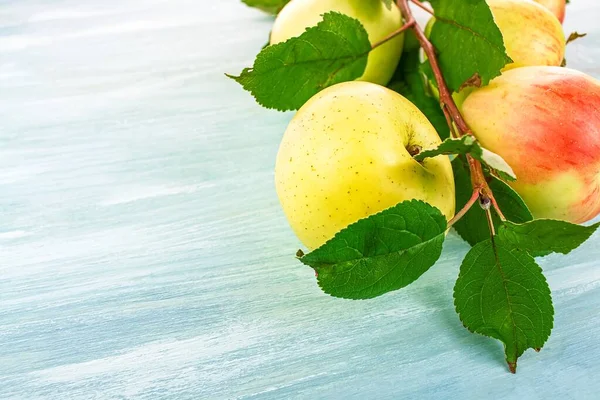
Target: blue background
x,y
144,255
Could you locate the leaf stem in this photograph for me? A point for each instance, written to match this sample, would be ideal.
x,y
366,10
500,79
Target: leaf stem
x,y
422,6
453,133
395,33
465,209
497,208
488,215
456,122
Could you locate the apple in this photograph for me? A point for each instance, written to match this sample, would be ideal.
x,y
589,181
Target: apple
x,y
557,7
532,34
545,122
298,15
346,155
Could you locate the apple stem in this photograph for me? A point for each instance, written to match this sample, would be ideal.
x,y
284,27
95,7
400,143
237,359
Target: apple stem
x,y
497,208
451,126
466,208
422,6
395,33
458,126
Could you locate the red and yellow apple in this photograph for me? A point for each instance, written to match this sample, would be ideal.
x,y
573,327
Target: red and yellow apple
x,y
532,34
545,122
378,20
347,154
557,7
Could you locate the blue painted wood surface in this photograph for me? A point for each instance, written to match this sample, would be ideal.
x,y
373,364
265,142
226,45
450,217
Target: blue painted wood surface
x,y
144,254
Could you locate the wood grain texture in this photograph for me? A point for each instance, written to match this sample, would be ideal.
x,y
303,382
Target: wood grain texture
x,y
144,254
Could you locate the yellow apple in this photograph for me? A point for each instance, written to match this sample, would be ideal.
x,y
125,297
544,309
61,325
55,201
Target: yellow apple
x,y
558,7
346,155
545,122
532,34
378,21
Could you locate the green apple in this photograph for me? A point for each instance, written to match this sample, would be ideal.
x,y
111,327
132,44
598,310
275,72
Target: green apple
x,y
545,122
347,155
378,20
557,7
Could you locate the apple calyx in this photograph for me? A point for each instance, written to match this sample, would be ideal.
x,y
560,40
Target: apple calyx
x,y
414,149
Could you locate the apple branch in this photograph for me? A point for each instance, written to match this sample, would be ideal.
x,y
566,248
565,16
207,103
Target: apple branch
x,y
446,101
456,122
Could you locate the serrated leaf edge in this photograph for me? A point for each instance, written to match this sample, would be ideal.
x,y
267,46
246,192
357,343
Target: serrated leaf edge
x,y
549,292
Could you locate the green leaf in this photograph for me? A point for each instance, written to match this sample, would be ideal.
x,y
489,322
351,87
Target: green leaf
x,y
502,293
464,145
269,6
410,82
497,163
411,43
469,145
467,41
286,75
473,227
545,236
512,205
381,253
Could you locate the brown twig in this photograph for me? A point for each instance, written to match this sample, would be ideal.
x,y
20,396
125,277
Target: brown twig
x,y
477,176
447,102
450,109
